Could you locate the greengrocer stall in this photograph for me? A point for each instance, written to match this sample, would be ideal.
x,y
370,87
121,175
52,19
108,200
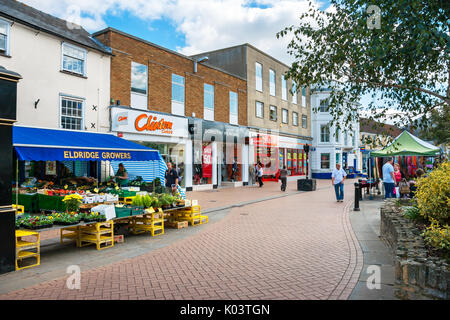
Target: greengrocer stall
x,y
85,211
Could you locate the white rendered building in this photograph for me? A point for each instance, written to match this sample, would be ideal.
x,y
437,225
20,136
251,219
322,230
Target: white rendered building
x,y
331,146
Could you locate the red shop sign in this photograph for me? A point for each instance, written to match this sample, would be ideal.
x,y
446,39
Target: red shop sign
x,y
207,161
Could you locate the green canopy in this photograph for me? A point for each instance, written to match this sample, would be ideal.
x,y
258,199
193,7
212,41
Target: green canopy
x,y
407,145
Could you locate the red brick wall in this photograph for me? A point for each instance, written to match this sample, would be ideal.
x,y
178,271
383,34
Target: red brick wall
x,y
161,64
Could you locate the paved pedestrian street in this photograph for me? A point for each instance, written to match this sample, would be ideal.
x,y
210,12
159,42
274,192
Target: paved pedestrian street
x,y
294,246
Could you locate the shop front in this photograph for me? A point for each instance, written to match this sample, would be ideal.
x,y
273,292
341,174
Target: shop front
x,y
274,152
166,133
220,154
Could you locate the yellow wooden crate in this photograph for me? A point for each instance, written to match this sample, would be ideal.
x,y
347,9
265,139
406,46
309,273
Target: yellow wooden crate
x,y
71,233
148,224
101,233
26,249
19,209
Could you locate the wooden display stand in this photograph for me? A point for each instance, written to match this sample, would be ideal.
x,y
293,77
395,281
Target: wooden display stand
x,y
101,233
192,215
27,249
70,233
150,222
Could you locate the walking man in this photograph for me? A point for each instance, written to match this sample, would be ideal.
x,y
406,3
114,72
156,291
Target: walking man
x,y
337,180
283,178
171,179
388,178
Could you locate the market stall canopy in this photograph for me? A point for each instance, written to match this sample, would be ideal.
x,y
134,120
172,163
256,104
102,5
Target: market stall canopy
x,y
407,144
67,145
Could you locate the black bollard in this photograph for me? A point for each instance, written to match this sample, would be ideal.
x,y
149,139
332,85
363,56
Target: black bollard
x,y
357,189
360,190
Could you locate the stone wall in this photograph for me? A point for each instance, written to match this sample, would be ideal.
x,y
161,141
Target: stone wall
x,y
416,273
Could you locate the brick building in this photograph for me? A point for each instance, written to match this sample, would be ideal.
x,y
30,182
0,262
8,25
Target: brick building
x,y
204,106
279,112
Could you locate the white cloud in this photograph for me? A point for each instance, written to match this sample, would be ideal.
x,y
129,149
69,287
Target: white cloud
x,y
206,24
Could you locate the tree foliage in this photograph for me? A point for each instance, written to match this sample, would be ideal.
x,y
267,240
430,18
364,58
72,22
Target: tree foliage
x,y
404,61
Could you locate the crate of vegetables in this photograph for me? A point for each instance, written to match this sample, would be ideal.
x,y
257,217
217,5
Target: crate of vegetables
x,y
122,210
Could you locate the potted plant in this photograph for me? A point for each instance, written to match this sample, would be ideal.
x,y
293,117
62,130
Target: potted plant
x,y
72,202
37,222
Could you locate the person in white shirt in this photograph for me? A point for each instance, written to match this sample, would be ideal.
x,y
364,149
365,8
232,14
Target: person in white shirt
x,y
260,175
337,180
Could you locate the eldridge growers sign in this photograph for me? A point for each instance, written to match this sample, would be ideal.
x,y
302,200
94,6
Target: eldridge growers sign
x,y
96,155
143,122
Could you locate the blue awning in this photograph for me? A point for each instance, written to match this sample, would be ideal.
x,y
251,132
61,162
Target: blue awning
x,y
57,144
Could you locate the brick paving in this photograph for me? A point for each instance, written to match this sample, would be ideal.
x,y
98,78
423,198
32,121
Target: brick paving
x,y
296,247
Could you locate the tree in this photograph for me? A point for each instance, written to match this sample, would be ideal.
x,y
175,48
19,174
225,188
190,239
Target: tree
x,y
439,131
398,50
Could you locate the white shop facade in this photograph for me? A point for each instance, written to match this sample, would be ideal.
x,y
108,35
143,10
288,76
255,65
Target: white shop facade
x,y
161,131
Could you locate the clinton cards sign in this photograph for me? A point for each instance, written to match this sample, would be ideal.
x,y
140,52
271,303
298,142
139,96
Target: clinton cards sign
x,y
142,122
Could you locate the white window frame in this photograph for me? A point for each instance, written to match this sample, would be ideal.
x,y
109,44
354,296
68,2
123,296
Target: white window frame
x,y
284,94
262,109
8,36
258,88
322,135
272,85
179,85
232,93
326,104
305,118
83,108
284,112
272,107
294,123
66,44
303,97
207,85
146,80
294,92
329,160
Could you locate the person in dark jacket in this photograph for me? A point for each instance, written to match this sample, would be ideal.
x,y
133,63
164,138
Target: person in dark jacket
x,y
283,178
171,177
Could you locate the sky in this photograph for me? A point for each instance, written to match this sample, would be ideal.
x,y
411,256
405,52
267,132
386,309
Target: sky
x,y
190,26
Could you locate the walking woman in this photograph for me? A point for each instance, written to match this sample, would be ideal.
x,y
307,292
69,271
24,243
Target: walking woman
x,y
398,178
260,175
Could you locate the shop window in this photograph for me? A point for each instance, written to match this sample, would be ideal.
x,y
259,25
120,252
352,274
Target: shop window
x,y
284,115
73,59
258,76
273,113
283,88
295,118
294,92
272,82
233,107
259,109
304,121
325,161
4,37
324,133
72,114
